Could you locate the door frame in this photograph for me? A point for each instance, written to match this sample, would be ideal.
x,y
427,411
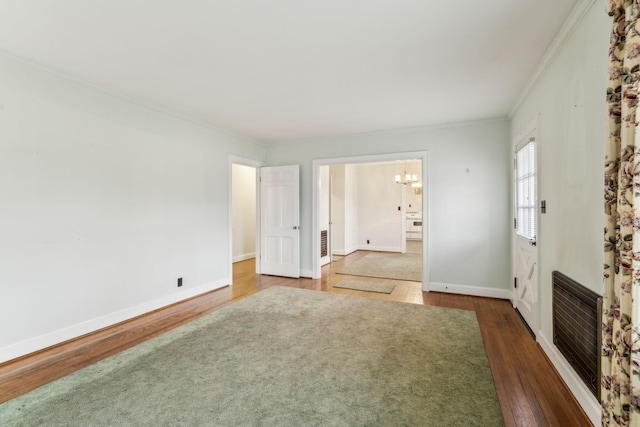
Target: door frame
x,y
255,164
373,158
534,129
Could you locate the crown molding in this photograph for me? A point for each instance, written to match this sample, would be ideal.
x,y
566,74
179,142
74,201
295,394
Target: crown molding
x,y
417,128
140,102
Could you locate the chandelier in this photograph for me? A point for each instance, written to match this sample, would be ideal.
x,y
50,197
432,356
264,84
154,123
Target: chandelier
x,y
408,179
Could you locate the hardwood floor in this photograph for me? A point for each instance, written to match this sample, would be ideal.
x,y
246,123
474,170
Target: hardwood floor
x,y
530,391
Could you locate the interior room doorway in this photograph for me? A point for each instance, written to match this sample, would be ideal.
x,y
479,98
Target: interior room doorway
x,y
243,205
352,229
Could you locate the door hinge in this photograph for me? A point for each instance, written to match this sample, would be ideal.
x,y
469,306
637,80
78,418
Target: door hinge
x,y
515,223
515,282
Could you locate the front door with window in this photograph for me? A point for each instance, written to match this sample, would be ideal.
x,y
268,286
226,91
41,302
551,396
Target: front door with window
x,y
526,230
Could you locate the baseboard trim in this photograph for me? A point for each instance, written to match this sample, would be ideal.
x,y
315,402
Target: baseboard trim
x,y
13,351
470,290
587,401
306,273
343,252
244,257
380,248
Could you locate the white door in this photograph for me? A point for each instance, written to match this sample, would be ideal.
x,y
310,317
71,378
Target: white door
x,y
280,221
526,231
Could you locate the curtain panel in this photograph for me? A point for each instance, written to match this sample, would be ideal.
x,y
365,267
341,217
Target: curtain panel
x,y
620,382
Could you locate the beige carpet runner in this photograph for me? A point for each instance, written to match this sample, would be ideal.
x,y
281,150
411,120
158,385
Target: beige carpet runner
x,y
386,265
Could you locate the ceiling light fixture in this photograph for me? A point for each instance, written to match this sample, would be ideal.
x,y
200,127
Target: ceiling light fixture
x,y
408,179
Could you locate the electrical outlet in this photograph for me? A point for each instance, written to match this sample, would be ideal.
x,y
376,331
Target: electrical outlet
x,y
179,281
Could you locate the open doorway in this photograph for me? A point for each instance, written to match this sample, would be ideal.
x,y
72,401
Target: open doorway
x,y
367,205
263,217
243,205
243,212
375,222
369,210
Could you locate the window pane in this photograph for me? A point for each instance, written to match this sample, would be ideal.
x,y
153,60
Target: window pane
x,y
526,191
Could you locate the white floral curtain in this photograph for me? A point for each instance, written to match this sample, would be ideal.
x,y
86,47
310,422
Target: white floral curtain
x,y
621,340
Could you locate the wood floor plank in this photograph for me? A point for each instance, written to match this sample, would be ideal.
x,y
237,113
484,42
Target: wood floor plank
x,y
530,391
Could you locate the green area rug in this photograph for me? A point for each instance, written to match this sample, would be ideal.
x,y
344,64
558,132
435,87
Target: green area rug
x,y
386,265
285,357
358,285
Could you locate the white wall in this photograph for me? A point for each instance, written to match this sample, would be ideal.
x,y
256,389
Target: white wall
x,y
337,209
569,100
379,198
351,208
105,203
344,209
469,194
243,187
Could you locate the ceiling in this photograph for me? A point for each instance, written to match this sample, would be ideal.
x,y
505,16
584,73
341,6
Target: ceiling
x,y
283,70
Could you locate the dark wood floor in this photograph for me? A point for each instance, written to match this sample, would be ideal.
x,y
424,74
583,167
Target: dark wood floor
x,y
530,391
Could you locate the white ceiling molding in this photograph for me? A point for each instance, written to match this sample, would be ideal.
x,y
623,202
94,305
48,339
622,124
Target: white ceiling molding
x,y
577,15
128,98
280,71
392,131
